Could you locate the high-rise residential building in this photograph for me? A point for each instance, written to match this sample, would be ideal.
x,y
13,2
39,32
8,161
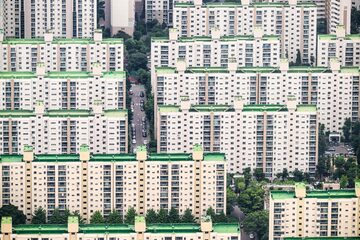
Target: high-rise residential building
x,y
59,54
88,182
62,90
161,10
313,214
356,4
32,19
64,131
116,21
338,12
319,3
334,90
206,230
294,22
267,137
340,45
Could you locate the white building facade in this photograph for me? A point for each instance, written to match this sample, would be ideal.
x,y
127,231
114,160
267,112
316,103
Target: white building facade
x,y
59,54
334,90
294,22
64,131
344,47
338,12
120,22
62,90
32,19
269,137
316,214
88,182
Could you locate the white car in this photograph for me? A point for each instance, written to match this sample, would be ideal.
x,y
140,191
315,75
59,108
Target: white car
x,y
134,141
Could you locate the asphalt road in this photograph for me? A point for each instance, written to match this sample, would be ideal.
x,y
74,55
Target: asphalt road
x,y
240,215
137,116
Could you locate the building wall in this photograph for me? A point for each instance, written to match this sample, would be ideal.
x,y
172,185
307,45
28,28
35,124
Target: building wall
x,y
338,12
319,86
61,54
62,91
113,183
120,22
242,135
199,20
24,19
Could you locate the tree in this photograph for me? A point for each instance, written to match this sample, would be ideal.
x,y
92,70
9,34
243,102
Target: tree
x,y
162,216
174,215
221,218
343,181
59,217
298,176
97,218
39,216
257,222
298,58
121,34
340,167
114,217
247,176
284,174
151,216
322,140
323,168
187,217
210,212
355,21
347,129
252,198
136,61
230,196
77,214
259,174
130,216
18,217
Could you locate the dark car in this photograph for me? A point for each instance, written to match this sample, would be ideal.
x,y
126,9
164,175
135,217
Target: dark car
x,y
142,94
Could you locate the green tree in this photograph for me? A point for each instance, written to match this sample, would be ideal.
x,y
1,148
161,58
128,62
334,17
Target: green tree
x,y
221,218
210,212
284,174
174,215
187,217
77,214
97,218
121,34
59,217
130,216
257,222
252,198
247,176
347,130
322,140
162,216
39,216
259,175
114,217
323,168
151,216
339,167
18,217
230,196
298,58
355,21
343,181
298,176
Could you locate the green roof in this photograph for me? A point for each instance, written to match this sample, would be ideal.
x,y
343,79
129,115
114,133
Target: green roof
x,y
226,228
265,108
169,108
185,228
16,113
211,108
61,41
57,158
67,74
333,37
40,229
237,4
214,157
222,38
306,108
10,158
116,113
329,194
68,113
112,157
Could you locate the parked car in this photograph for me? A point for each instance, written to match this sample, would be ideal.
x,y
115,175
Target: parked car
x,y
144,134
142,94
134,141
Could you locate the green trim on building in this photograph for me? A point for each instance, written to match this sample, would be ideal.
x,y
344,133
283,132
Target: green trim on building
x,y
61,41
57,74
222,38
40,229
16,113
68,113
57,158
321,194
10,158
16,75
238,4
321,238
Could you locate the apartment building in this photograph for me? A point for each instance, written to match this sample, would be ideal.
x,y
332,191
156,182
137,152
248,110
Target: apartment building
x,y
206,230
294,22
335,90
313,214
60,54
269,137
319,3
64,131
32,19
120,22
340,45
62,90
88,182
338,12
162,11
356,4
